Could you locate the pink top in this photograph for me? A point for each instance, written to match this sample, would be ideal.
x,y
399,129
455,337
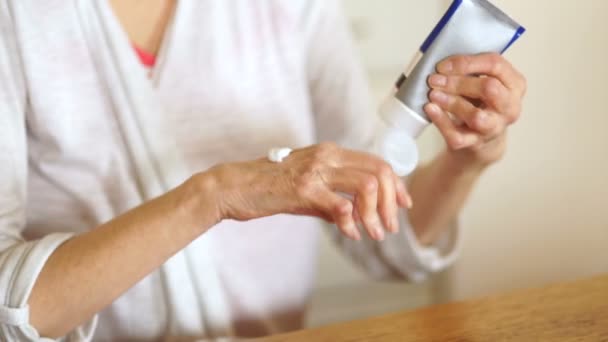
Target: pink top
x,y
146,58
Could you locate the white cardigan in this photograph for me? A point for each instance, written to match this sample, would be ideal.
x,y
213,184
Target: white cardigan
x,y
85,135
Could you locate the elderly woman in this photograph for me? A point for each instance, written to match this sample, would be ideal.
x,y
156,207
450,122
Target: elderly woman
x,y
135,201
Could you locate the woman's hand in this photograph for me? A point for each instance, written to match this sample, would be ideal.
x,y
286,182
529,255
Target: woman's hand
x,y
473,101
339,185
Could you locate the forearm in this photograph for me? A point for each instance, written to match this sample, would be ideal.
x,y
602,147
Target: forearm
x,y
90,271
439,191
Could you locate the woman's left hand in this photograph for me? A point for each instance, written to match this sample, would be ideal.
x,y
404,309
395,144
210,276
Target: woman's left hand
x,y
474,99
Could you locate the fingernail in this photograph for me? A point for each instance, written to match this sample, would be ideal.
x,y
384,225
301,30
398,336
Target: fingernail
x,y
437,80
410,202
445,66
438,96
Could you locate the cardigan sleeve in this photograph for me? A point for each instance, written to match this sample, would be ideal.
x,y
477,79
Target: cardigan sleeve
x,y
20,261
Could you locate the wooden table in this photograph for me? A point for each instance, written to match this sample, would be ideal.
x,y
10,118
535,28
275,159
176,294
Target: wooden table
x,y
576,311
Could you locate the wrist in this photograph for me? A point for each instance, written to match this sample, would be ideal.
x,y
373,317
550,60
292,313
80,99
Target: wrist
x,y
478,158
201,194
462,164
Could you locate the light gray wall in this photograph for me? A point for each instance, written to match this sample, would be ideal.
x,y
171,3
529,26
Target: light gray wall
x,y
540,216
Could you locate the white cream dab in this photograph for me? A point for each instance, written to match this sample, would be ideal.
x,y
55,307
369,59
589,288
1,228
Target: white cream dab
x,y
277,155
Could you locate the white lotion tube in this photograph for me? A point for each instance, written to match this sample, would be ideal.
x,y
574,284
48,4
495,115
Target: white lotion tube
x,y
468,27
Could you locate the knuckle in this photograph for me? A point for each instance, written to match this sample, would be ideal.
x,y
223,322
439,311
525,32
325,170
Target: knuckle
x,y
327,147
324,151
477,116
497,63
487,127
454,141
491,88
343,208
385,171
461,63
480,122
369,184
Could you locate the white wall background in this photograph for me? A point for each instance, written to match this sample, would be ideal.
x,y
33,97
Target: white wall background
x,y
537,217
540,216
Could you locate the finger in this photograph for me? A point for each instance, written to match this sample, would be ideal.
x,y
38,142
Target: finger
x,y
404,200
367,207
487,89
339,209
366,188
491,64
475,118
387,198
387,206
384,196
356,216
456,137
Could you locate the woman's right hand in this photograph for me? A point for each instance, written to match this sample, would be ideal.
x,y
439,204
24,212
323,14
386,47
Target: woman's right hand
x,y
325,180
